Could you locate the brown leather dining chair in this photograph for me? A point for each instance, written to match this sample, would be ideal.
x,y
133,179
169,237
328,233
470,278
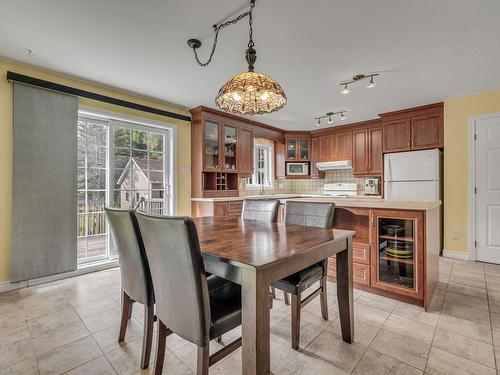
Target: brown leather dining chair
x,y
313,215
260,209
135,276
194,307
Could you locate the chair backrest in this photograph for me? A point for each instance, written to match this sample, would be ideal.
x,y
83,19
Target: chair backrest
x,y
260,209
309,214
178,273
134,267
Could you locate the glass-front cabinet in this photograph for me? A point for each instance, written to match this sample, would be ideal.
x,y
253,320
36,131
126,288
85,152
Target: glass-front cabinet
x,y
211,145
291,149
230,143
298,149
304,149
397,251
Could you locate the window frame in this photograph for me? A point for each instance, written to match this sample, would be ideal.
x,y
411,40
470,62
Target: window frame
x,y
268,167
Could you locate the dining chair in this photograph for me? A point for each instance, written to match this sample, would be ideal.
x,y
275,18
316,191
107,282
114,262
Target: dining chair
x,y
189,304
260,209
313,215
135,275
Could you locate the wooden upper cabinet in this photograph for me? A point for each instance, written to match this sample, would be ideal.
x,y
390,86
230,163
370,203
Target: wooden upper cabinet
x,y
375,159
396,135
326,144
279,160
360,152
342,146
315,173
426,131
298,149
304,148
245,153
413,129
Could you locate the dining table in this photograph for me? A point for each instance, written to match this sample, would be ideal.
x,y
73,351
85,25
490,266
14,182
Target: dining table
x,y
255,254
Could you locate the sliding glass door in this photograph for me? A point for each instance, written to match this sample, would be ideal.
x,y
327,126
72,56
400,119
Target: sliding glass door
x,y
123,165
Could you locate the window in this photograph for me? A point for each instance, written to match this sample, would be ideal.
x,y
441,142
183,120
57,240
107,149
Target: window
x,y
263,166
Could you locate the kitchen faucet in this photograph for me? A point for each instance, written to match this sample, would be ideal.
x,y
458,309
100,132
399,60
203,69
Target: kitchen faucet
x,y
262,190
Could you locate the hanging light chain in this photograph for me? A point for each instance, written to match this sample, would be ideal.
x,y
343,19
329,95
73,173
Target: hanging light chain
x,y
217,28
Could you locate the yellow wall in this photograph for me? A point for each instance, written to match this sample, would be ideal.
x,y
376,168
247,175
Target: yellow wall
x,y
456,115
183,176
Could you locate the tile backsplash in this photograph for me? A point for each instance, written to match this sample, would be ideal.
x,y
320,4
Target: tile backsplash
x,y
307,186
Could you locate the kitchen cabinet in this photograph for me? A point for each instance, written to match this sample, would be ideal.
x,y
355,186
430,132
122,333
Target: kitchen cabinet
x,y
297,149
315,173
342,146
326,148
245,152
211,145
367,152
397,252
279,160
217,208
413,129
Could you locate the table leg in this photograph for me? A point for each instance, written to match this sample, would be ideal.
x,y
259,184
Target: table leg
x,y
255,324
344,292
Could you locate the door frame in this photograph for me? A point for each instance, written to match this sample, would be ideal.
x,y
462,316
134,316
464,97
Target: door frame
x,y
471,181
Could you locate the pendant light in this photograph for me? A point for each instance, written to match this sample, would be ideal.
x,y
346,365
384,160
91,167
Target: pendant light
x,y
250,92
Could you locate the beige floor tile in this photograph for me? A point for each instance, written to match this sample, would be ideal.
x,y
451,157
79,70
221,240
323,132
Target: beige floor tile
x,y
409,351
364,332
105,303
302,364
81,298
468,290
56,337
308,331
14,331
98,366
476,301
471,280
67,357
495,319
410,328
107,339
14,315
417,313
43,306
466,327
102,320
16,352
376,301
39,290
458,310
52,320
10,301
331,348
370,314
375,363
187,353
464,347
441,362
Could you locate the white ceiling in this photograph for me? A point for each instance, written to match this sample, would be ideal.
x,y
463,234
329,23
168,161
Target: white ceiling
x,y
426,50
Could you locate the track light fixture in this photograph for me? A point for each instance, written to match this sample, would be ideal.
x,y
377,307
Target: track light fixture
x,y
330,116
356,78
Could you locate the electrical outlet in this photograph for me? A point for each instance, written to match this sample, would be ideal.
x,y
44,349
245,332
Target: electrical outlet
x,y
455,234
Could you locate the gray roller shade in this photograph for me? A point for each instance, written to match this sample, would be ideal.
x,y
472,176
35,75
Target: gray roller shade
x,y
44,191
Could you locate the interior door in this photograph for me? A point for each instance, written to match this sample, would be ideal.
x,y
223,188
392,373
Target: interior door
x,y
488,189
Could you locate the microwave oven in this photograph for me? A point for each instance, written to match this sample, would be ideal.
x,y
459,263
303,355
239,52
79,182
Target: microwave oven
x,y
297,169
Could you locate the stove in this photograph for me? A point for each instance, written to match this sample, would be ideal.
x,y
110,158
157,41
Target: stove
x,y
340,189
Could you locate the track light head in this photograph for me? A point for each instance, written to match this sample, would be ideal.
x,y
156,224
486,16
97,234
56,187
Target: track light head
x,y
342,116
371,83
346,89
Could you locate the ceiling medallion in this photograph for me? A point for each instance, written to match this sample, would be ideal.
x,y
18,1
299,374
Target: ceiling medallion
x,y
250,92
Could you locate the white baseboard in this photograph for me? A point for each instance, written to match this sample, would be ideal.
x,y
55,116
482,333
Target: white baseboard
x,y
8,286
456,254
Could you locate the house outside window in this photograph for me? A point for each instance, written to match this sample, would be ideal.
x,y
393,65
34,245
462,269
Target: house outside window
x,y
263,166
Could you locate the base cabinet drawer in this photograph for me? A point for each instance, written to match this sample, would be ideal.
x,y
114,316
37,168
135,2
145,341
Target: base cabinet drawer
x,y
360,272
234,208
361,252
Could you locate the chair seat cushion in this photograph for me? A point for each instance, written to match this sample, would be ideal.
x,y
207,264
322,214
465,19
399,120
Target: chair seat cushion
x,y
300,281
225,305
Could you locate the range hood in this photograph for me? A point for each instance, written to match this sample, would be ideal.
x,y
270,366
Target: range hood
x,y
333,165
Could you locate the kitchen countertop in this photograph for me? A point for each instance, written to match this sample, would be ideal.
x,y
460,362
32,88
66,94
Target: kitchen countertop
x,y
358,201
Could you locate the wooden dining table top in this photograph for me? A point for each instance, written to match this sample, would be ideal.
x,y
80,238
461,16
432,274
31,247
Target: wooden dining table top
x,y
256,244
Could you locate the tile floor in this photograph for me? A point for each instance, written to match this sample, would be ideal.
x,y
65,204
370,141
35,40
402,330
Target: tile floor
x,y
71,327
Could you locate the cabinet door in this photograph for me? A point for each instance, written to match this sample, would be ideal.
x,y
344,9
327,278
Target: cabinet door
x,y
315,158
279,160
397,252
230,148
375,151
220,209
396,135
426,132
304,149
326,148
245,155
211,145
291,149
360,152
343,146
